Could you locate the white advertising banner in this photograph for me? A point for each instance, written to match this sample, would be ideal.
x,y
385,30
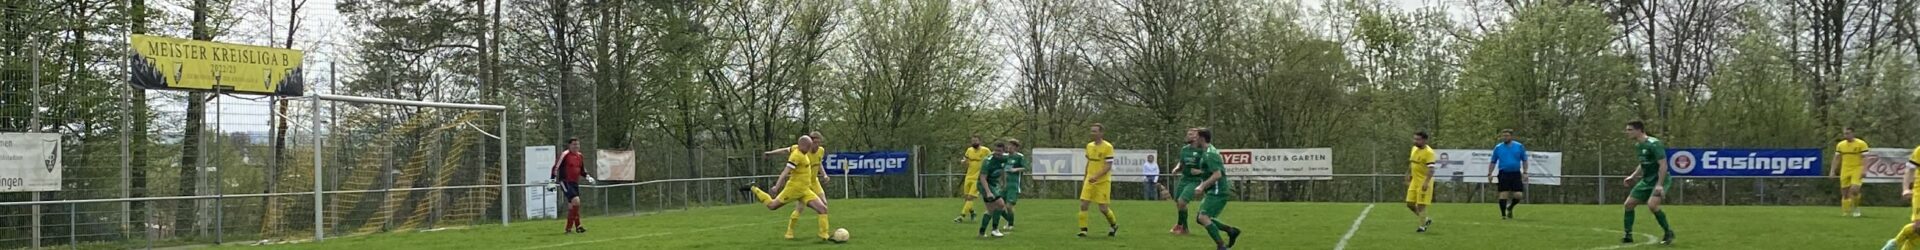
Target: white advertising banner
x,y
1128,165
1885,165
615,165
1470,165
540,202
29,162
1279,164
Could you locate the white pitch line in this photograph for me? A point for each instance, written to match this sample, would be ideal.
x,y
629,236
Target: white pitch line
x,y
1355,228
1651,239
643,236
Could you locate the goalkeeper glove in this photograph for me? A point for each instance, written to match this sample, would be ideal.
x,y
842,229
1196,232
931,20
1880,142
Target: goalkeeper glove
x,y
590,180
550,185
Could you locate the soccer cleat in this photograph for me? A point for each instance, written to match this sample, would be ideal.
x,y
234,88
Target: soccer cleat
x,y
1422,229
1113,230
1175,230
1007,228
1233,236
997,234
1856,213
788,236
748,187
1667,239
1628,239
1082,234
580,229
956,219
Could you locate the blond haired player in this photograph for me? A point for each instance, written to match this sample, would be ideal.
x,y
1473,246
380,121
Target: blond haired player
x,y
975,155
1849,151
1420,180
1096,189
796,184
1908,239
819,157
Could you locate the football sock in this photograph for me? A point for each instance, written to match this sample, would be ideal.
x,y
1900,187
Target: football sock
x,y
1661,216
1629,222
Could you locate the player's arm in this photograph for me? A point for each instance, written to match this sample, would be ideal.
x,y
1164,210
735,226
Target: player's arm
x,y
1906,182
1661,186
1204,185
784,174
776,152
1430,176
555,173
1632,177
988,185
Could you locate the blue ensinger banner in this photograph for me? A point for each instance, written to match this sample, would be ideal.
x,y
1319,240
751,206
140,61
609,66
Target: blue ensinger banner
x,y
867,163
1744,162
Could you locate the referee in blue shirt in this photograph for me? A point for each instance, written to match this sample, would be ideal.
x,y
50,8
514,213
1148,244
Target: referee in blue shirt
x,y
1511,158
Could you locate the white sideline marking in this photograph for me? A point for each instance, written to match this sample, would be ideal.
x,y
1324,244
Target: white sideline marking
x,y
1354,228
644,236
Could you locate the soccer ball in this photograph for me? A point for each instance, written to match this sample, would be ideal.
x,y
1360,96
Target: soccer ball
x,y
840,236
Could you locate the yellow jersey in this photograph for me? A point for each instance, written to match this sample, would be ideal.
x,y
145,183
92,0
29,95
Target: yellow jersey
x,y
976,155
1851,152
1099,158
1420,163
804,170
1912,162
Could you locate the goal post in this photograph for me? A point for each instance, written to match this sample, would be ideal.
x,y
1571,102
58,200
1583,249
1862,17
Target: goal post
x,y
319,140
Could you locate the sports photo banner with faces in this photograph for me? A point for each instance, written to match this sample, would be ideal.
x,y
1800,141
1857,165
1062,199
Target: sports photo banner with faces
x,y
1071,164
1279,164
1470,165
1744,162
1886,165
867,163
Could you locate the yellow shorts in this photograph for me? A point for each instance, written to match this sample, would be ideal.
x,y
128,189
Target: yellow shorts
x,y
1417,194
1851,176
971,187
1097,193
790,195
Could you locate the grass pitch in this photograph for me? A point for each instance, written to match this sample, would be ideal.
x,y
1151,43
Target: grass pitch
x,y
1049,224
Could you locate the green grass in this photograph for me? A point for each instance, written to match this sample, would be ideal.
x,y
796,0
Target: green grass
x,y
1049,224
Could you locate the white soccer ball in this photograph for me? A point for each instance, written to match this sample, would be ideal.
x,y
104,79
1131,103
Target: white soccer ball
x,y
840,236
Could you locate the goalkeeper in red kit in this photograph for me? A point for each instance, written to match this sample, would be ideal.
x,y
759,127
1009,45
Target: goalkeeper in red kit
x,y
568,171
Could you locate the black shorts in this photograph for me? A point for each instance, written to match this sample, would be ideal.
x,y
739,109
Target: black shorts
x,y
570,189
1512,181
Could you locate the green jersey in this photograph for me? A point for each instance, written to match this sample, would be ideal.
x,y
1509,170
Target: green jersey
x,y
1014,160
991,169
1191,157
1210,163
1651,152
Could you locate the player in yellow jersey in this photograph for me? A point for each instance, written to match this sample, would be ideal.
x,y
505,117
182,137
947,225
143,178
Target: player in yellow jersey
x,y
975,155
1420,180
1096,189
1849,152
796,184
1908,239
819,157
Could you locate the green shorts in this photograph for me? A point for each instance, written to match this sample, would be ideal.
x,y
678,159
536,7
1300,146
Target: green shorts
x,y
1644,190
1212,206
1184,191
1011,194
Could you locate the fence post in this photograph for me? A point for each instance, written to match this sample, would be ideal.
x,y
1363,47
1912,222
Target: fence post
x,y
916,172
1600,181
1723,192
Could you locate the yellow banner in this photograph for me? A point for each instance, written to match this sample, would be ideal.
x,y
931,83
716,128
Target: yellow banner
x,y
173,63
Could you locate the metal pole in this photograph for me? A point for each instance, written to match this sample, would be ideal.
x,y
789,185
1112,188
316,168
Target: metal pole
x,y
319,227
219,205
72,223
916,173
505,204
1599,182
33,125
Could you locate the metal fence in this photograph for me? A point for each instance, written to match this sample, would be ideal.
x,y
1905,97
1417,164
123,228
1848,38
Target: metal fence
x,y
678,179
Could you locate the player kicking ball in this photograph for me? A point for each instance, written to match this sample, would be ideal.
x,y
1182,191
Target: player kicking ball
x,y
819,156
1217,188
1653,164
1909,237
796,185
